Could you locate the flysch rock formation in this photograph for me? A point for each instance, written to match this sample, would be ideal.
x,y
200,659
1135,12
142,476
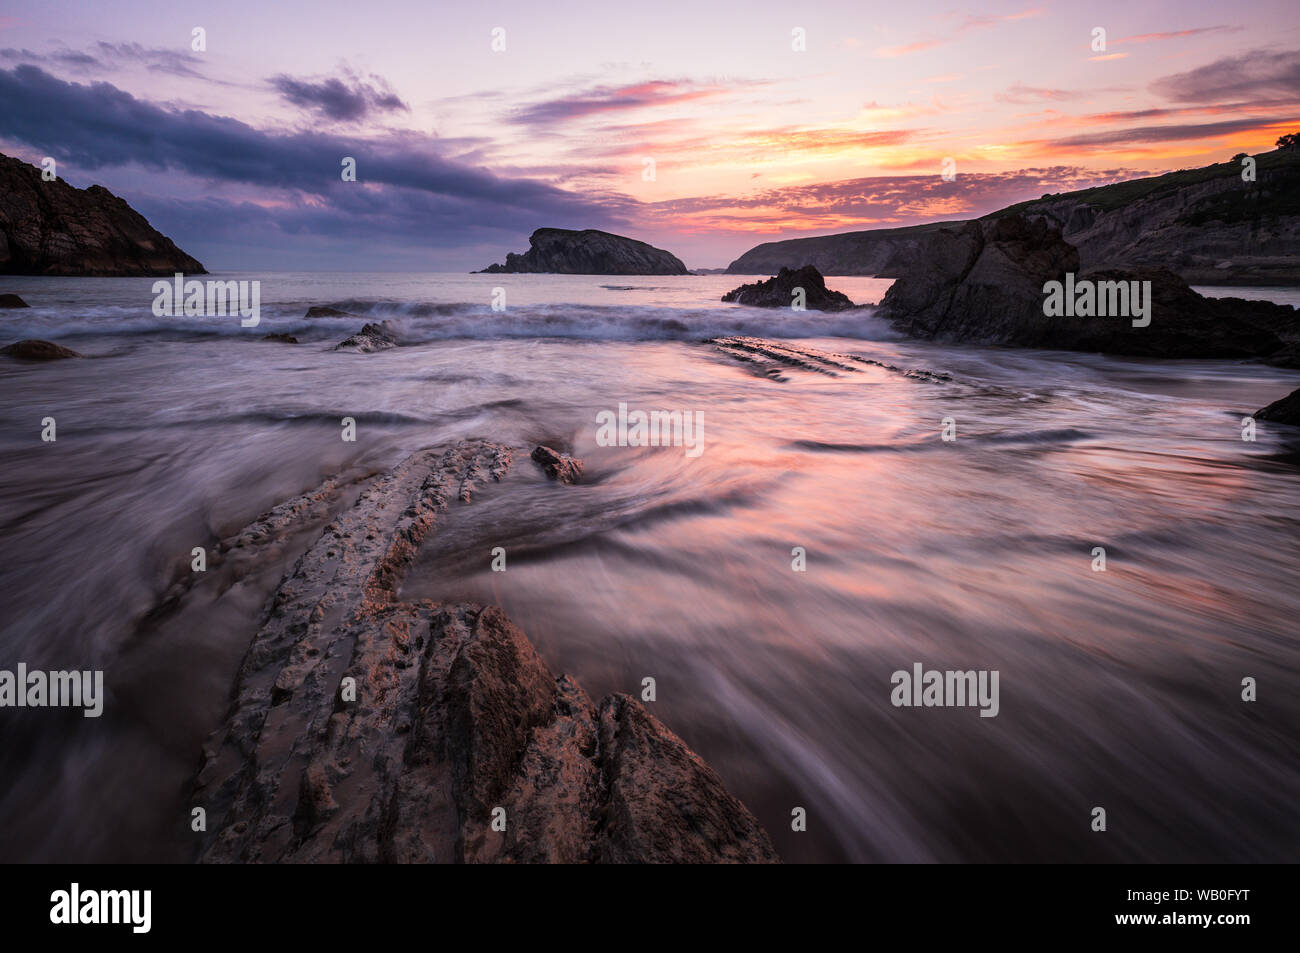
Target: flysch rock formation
x,y
51,228
983,283
456,721
588,252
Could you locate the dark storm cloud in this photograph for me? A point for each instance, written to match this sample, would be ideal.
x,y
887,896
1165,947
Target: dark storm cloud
x,y
98,125
336,98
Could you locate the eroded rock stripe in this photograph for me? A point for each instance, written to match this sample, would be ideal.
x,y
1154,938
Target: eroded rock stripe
x,y
455,717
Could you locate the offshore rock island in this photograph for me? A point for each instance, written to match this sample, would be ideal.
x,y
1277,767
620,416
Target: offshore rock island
x,y
562,251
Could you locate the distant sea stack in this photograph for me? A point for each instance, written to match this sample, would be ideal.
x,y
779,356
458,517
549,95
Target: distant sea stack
x,y
51,228
562,251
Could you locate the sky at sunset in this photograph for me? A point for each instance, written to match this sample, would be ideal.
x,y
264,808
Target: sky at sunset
x,y
462,151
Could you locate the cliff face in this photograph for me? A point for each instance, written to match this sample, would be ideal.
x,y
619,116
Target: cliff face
x,y
590,252
882,252
51,228
1206,225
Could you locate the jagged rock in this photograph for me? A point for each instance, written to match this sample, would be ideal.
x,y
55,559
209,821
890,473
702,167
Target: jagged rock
x,y
371,337
282,338
1284,411
558,466
317,311
983,283
455,716
588,252
12,301
33,350
778,292
51,228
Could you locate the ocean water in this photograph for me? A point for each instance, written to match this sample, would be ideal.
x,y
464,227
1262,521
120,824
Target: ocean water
x,y
1118,689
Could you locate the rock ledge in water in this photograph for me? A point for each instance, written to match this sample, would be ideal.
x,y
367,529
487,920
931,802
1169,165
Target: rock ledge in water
x,y
371,337
366,729
558,466
778,291
34,350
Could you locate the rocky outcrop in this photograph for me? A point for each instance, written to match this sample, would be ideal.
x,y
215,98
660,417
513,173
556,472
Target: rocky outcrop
x,y
882,252
368,729
51,228
280,338
558,466
319,311
588,252
984,283
33,350
12,301
371,337
779,291
1284,411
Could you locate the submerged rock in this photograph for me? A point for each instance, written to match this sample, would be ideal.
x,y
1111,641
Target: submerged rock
x,y
282,338
51,228
12,301
558,466
33,350
317,311
366,729
778,292
985,283
588,252
1284,411
371,337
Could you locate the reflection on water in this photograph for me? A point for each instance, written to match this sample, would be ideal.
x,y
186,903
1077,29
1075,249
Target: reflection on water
x,y
1119,689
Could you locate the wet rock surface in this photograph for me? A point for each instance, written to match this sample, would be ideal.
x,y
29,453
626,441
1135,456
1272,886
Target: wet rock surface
x,y
983,283
371,338
281,338
558,466
33,350
12,301
456,720
779,291
319,311
1284,411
